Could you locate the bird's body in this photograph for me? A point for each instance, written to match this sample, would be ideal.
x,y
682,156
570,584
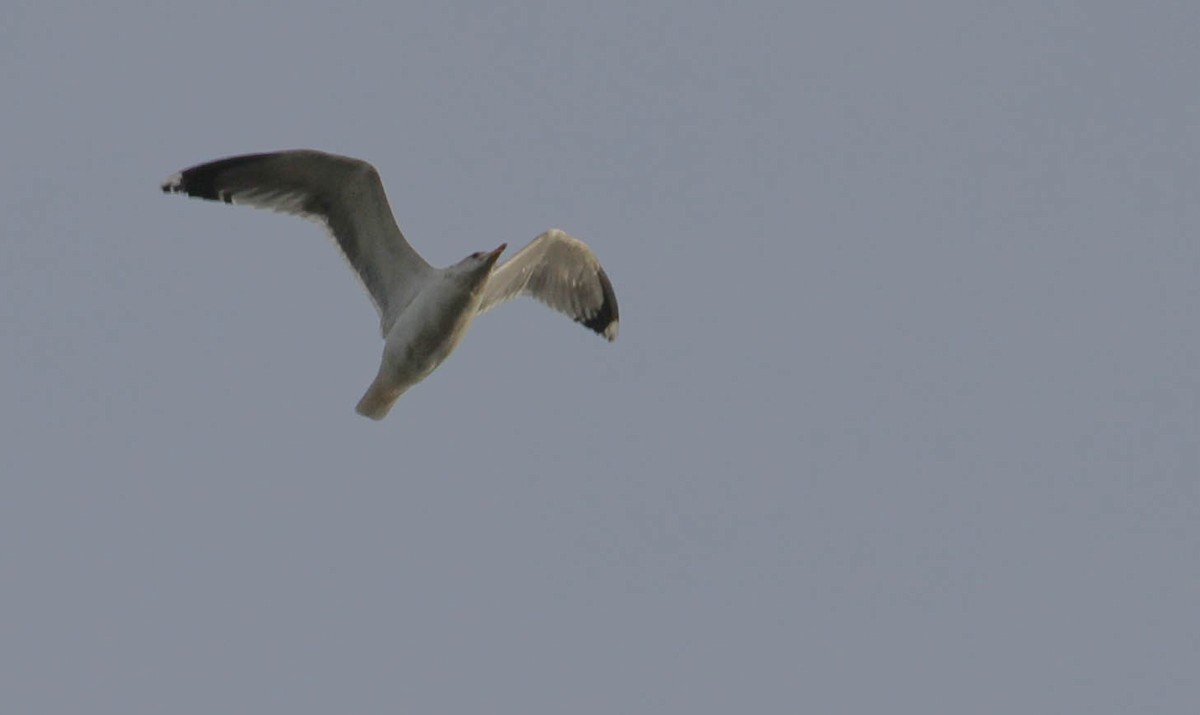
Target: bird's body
x,y
424,311
422,337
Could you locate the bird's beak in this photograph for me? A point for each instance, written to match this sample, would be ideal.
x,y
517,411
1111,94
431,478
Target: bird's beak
x,y
496,253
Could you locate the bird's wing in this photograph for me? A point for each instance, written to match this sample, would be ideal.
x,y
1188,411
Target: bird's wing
x,y
343,194
563,273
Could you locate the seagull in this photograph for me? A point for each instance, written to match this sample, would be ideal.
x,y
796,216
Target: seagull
x,y
423,311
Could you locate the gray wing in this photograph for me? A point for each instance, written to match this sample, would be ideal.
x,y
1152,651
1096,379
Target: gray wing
x,y
343,194
563,273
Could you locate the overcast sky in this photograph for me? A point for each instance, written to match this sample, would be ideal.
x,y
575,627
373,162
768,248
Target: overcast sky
x,y
903,417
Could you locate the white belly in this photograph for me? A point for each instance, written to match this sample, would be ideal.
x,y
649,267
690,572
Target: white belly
x,y
424,335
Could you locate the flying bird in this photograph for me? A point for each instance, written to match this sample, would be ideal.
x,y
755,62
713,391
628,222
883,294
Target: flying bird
x,y
423,311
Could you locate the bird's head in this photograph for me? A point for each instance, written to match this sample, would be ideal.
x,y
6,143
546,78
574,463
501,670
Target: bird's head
x,y
478,265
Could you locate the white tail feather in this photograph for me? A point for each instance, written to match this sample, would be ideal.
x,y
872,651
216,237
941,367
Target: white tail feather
x,y
377,401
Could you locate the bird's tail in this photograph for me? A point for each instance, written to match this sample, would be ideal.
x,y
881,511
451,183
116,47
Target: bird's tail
x,y
378,401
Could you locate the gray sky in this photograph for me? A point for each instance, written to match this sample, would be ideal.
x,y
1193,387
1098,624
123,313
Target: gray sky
x,y
903,417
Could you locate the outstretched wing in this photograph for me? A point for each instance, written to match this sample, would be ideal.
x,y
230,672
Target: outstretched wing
x,y
563,273
343,194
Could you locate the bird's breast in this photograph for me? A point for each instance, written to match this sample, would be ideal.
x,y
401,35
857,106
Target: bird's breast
x,y
427,332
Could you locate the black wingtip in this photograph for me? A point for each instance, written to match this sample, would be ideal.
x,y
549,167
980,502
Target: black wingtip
x,y
605,320
200,181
